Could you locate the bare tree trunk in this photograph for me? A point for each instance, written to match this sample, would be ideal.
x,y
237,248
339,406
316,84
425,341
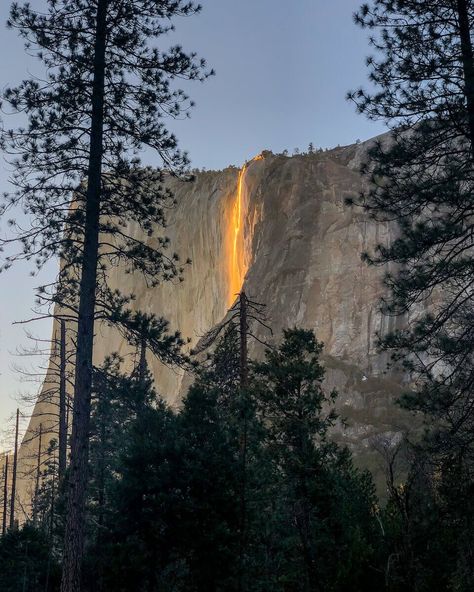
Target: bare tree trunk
x,y
38,473
62,403
68,405
5,497
303,522
101,495
142,363
243,446
51,533
15,466
244,375
467,64
74,532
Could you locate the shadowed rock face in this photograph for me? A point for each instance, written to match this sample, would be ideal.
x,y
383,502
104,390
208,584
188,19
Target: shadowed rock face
x,y
298,246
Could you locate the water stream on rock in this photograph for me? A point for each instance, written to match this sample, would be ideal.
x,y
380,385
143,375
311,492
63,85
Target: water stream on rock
x,y
240,249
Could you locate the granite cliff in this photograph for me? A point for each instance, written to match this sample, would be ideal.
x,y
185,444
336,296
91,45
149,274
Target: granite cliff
x,y
279,227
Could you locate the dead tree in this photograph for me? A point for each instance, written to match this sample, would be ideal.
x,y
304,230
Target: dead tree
x,y
38,475
242,314
243,322
55,378
142,367
14,471
63,428
5,496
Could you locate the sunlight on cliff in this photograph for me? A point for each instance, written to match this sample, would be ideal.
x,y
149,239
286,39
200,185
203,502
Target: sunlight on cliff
x,y
236,263
239,251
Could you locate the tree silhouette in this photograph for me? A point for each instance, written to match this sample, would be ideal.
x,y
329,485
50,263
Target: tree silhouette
x,y
77,174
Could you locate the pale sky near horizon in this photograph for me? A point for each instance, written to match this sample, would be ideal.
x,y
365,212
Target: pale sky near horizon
x,y
282,71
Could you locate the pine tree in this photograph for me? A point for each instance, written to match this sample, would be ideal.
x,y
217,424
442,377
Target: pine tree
x,y
232,478
117,402
212,445
5,496
175,506
142,545
422,178
325,505
105,93
230,357
14,472
24,562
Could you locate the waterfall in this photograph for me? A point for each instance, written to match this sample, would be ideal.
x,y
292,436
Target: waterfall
x,y
239,236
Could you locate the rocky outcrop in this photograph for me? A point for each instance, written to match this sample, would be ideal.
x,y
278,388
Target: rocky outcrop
x,y
282,228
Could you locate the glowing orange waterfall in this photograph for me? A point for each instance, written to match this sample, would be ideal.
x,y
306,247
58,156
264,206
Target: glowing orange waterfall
x,y
238,252
237,265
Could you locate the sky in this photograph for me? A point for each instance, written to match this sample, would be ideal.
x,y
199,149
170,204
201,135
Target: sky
x,y
282,72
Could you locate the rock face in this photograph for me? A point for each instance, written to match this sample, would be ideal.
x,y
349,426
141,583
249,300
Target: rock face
x,y
281,227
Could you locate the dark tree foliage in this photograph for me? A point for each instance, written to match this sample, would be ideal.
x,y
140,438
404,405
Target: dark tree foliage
x,y
163,506
211,435
422,177
179,530
427,542
47,499
325,505
456,500
142,539
25,562
117,400
105,93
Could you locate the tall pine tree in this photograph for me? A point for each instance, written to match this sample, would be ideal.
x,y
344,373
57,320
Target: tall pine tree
x,y
422,178
76,169
325,526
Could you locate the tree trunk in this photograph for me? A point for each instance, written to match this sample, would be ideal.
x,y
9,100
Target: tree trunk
x,y
5,496
103,415
142,366
50,533
15,466
467,58
62,403
38,473
243,341
244,428
52,510
74,532
303,523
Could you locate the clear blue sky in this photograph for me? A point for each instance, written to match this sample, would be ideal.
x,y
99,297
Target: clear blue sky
x,y
282,71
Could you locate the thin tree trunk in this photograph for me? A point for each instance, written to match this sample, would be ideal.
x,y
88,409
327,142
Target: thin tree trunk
x,y
244,375
467,64
50,533
52,511
14,471
68,405
142,363
62,403
5,497
101,489
244,427
303,523
74,532
38,473
103,415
